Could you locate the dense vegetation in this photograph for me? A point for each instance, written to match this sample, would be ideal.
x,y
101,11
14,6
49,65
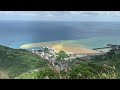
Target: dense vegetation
x,y
99,67
17,61
82,71
22,64
111,58
62,55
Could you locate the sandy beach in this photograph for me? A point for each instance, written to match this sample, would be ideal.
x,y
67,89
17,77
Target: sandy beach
x,y
59,46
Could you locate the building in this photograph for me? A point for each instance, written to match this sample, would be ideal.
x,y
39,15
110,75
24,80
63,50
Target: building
x,y
109,45
45,57
52,61
113,46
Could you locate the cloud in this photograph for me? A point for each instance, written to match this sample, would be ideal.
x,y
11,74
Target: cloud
x,y
75,12
87,13
110,13
117,13
96,13
58,15
52,13
48,13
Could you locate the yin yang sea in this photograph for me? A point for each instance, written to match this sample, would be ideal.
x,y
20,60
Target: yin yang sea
x,y
89,33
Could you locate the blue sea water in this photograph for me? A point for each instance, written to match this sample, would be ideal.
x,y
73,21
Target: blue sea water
x,y
92,34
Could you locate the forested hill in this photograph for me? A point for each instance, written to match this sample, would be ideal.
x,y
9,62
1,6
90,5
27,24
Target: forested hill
x,y
105,66
22,64
16,61
111,58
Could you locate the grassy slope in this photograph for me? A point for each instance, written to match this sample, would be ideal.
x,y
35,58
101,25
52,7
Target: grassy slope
x,y
85,69
17,61
82,71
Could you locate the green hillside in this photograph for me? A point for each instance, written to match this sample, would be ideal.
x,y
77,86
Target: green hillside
x,y
17,61
111,58
23,64
98,67
82,71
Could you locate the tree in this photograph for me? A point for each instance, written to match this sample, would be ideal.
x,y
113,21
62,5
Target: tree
x,y
62,55
46,50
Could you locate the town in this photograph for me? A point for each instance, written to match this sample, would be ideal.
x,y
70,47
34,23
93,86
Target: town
x,y
51,55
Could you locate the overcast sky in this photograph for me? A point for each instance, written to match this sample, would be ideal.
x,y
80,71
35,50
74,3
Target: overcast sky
x,y
61,15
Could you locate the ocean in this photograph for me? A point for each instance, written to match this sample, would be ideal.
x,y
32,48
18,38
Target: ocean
x,y
91,34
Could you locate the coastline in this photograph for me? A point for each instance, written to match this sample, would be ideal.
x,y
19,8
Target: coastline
x,y
60,46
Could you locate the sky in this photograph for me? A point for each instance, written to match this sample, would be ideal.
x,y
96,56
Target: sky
x,y
61,15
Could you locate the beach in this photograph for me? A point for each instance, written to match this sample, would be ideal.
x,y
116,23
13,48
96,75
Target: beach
x,y
59,46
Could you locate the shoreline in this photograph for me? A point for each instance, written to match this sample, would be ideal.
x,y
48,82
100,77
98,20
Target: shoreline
x,y
60,46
